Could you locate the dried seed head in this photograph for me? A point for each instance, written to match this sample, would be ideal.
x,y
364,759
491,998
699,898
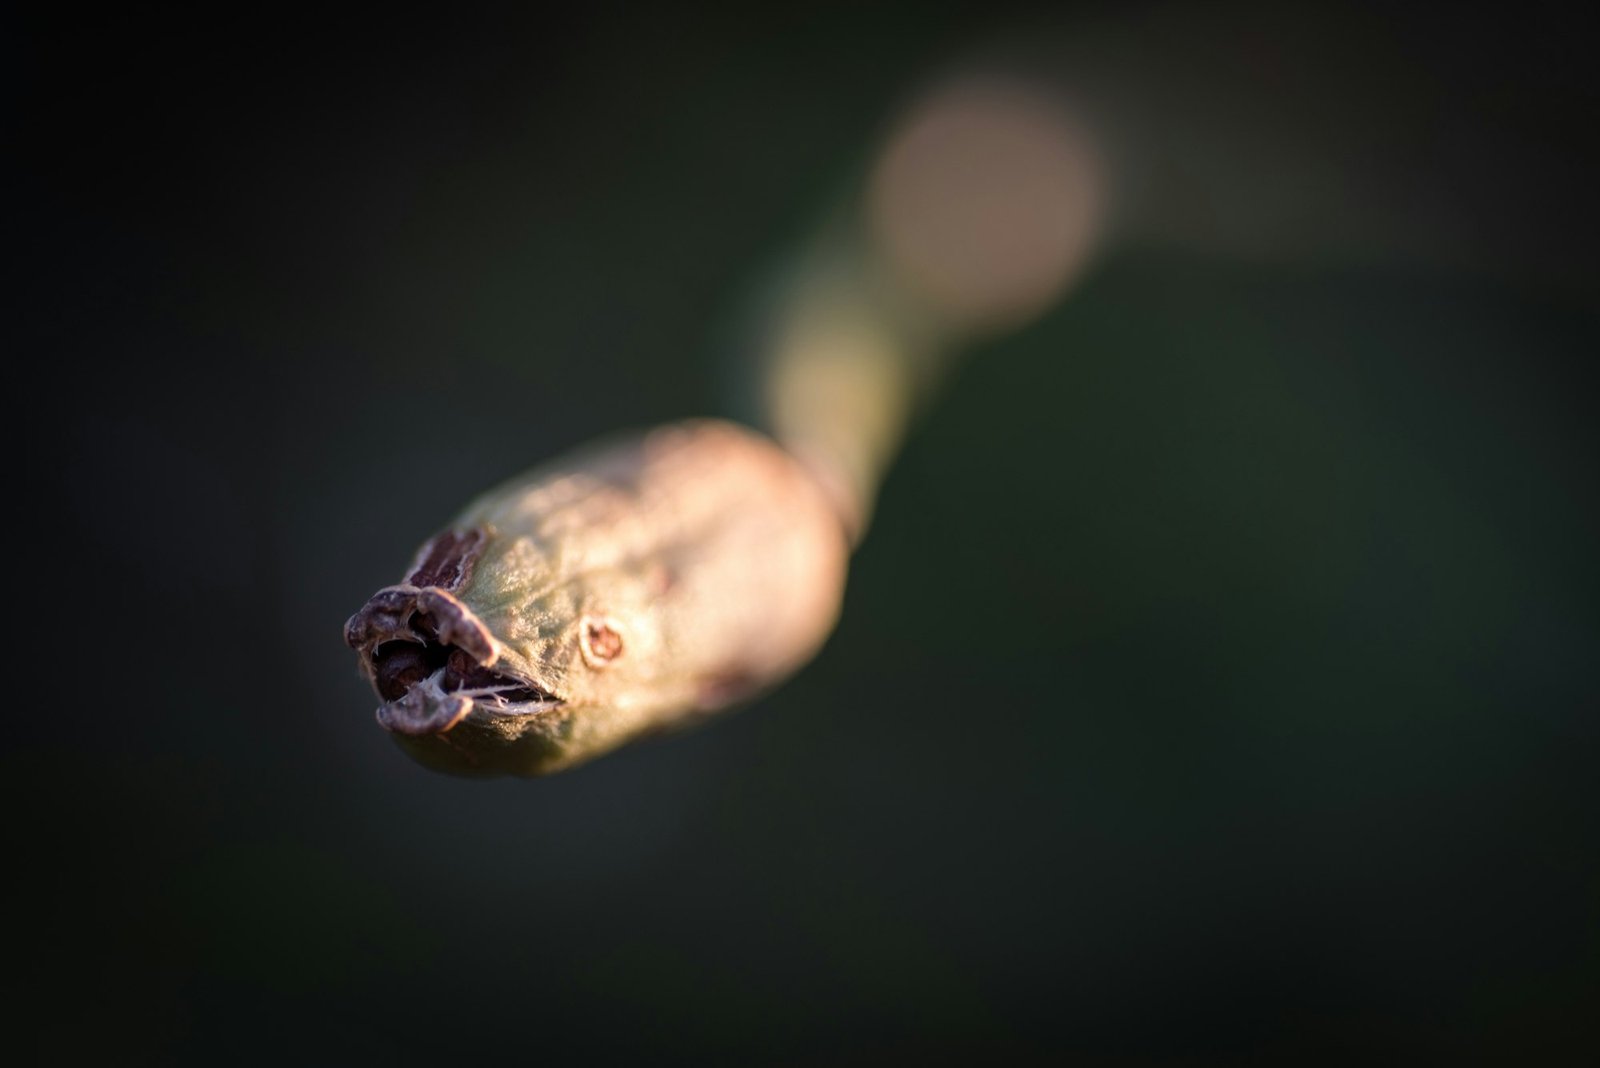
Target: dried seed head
x,y
603,598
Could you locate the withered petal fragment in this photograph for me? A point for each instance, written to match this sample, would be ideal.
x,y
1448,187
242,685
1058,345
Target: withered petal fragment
x,y
419,647
454,624
425,709
406,613
386,616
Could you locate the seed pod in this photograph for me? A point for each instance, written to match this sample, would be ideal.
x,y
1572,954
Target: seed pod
x,y
629,588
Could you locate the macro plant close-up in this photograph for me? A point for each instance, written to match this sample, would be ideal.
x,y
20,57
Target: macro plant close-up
x,y
906,534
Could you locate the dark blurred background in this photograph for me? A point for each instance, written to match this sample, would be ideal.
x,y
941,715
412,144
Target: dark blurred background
x,y
1217,682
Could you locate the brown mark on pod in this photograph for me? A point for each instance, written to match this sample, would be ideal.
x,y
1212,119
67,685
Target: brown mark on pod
x,y
600,640
446,561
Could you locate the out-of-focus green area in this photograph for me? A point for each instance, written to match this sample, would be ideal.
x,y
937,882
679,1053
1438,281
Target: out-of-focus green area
x,y
1217,679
